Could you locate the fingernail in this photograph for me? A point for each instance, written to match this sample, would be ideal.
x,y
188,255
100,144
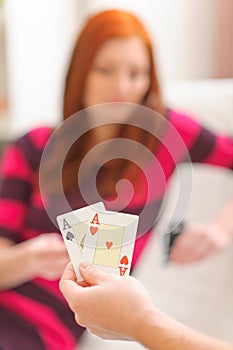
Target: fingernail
x,y
85,265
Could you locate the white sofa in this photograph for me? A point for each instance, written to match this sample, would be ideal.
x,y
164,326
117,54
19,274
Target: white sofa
x,y
200,295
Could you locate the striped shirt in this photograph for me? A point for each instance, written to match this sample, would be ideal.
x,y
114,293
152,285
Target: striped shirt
x,y
35,315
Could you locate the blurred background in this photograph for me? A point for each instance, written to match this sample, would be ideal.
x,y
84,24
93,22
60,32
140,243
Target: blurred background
x,y
194,49
193,41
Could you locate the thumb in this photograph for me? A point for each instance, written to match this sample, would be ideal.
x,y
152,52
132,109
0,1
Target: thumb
x,y
90,274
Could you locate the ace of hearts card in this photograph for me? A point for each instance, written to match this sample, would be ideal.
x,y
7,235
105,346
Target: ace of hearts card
x,y
109,241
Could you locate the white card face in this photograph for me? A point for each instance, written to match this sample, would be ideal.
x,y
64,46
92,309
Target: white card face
x,y
73,226
109,241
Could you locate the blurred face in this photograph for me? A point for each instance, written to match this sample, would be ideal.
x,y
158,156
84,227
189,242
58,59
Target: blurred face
x,y
120,72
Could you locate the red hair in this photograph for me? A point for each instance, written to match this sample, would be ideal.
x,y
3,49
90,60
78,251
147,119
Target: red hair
x,y
98,29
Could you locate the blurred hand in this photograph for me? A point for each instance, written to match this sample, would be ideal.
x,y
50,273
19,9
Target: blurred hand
x,y
111,307
48,255
198,242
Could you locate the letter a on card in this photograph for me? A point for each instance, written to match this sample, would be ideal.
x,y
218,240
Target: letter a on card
x,y
65,224
95,220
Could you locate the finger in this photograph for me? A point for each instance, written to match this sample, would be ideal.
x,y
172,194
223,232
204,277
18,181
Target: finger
x,y
78,320
83,284
192,254
68,280
69,273
189,255
205,253
185,248
90,274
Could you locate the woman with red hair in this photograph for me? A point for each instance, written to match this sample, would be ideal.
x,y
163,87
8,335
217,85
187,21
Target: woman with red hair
x,y
111,95
99,30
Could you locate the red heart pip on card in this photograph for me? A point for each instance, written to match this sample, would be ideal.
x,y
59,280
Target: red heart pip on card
x,y
108,244
93,230
124,260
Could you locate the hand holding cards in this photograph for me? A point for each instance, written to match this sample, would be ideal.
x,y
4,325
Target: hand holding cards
x,y
104,238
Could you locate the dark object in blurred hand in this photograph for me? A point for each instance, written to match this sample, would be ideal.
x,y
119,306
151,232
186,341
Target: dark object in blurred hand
x,y
174,229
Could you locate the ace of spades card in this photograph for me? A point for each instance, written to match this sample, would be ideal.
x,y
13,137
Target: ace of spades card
x,y
73,226
109,241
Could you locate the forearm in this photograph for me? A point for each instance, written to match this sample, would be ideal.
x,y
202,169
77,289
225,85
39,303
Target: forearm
x,y
15,265
160,332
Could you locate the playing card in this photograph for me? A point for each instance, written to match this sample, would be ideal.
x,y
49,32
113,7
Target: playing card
x,y
73,226
109,241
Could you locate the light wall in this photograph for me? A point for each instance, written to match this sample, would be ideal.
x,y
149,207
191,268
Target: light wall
x,y
40,35
39,38
183,31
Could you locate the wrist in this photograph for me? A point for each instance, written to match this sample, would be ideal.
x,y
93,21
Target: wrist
x,y
224,228
148,322
30,260
15,266
224,220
